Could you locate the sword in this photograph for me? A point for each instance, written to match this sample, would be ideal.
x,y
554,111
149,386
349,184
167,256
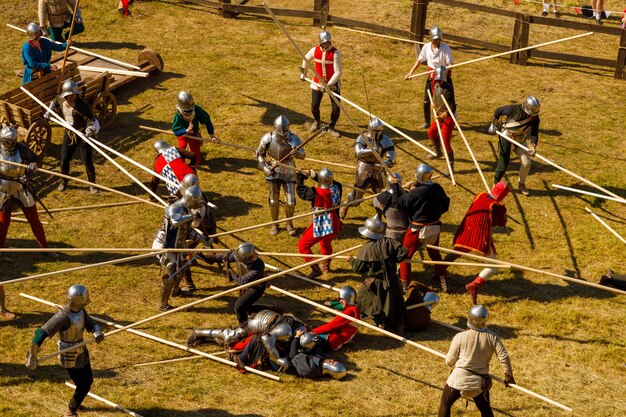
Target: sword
x,y
182,268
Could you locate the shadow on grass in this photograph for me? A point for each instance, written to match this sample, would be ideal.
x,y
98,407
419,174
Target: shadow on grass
x,y
273,110
19,375
111,46
204,412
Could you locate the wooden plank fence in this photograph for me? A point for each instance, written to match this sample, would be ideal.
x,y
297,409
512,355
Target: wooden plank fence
x,y
522,22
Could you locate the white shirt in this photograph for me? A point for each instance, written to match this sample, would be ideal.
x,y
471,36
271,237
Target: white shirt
x,y
337,67
435,57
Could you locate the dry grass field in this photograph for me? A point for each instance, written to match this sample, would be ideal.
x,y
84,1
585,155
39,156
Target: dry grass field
x,y
566,341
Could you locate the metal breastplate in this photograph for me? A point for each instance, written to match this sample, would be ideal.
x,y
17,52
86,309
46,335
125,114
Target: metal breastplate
x,y
278,149
74,333
368,157
262,322
11,171
440,106
242,268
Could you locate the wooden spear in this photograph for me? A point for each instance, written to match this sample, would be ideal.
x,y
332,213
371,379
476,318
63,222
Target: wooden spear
x,y
79,268
362,110
547,161
302,171
160,340
327,88
576,190
248,148
526,268
379,35
114,71
184,358
407,341
57,210
21,220
256,226
91,184
212,297
467,145
90,142
505,53
104,400
67,48
603,223
443,144
86,52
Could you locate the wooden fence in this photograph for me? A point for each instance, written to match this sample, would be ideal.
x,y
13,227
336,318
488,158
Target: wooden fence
x,y
521,28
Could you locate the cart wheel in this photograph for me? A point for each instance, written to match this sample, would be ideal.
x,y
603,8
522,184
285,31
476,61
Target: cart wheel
x,y
152,57
38,137
104,108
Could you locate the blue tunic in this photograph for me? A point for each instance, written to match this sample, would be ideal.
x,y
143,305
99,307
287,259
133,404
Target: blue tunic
x,y
38,59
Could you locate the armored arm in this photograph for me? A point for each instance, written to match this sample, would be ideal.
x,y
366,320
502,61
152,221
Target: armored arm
x,y
294,142
361,150
269,342
176,215
390,152
261,153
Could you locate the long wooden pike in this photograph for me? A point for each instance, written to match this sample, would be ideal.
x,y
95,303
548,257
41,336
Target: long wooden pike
x,y
92,142
549,162
576,190
526,268
67,48
362,110
408,342
61,209
395,38
467,145
91,184
160,340
603,223
301,171
472,61
86,52
326,87
107,402
443,144
212,297
234,145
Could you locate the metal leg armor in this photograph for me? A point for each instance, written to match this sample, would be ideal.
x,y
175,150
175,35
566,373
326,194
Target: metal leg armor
x,y
220,336
274,202
290,206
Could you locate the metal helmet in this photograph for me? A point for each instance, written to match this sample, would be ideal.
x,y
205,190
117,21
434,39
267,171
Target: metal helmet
x,y
375,128
440,74
77,297
392,176
33,30
308,340
325,178
373,228
185,102
500,190
189,180
8,138
69,88
324,37
337,370
431,297
192,197
246,253
281,126
531,105
423,173
281,332
161,146
435,33
477,317
348,294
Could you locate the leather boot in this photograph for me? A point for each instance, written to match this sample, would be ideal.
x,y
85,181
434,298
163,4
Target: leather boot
x,y
189,284
325,266
472,288
63,185
522,189
315,272
165,292
446,173
437,148
289,211
91,176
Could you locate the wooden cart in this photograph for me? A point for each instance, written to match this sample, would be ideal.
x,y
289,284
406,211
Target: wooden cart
x,y
18,110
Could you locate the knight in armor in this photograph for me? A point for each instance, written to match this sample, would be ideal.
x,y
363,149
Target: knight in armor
x,y
36,54
248,267
328,64
470,353
187,120
70,322
339,331
475,232
380,295
170,163
175,232
325,226
434,54
425,203
307,363
397,220
284,146
56,15
442,89
369,172
77,112
519,122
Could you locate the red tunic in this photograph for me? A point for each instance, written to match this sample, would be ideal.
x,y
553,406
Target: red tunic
x,y
340,330
475,232
324,63
178,166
